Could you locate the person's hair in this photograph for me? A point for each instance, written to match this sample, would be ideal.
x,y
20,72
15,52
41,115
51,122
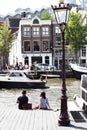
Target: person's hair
x,y
43,95
24,92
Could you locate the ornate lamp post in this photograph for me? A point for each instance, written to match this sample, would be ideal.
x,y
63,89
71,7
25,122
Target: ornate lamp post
x,y
61,13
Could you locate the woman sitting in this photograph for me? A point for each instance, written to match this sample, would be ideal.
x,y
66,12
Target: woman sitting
x,y
44,104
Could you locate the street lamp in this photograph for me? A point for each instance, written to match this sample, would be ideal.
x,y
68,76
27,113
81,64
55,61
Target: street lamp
x,y
61,13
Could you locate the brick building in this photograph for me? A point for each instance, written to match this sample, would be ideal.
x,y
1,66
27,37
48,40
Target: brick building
x,y
33,43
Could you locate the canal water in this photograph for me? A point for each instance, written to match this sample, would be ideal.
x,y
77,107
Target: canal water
x,y
53,92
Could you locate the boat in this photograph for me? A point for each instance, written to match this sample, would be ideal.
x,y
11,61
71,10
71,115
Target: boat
x,y
78,70
19,79
84,91
81,99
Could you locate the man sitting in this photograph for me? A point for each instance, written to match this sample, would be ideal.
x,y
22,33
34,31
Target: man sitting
x,y
22,101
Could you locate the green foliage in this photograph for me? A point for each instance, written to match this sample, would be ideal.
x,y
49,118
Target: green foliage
x,y
45,16
76,32
6,39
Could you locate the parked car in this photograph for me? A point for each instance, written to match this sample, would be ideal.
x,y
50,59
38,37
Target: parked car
x,y
44,66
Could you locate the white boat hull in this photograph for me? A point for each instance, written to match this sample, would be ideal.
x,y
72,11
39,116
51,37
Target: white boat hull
x,y
78,70
18,79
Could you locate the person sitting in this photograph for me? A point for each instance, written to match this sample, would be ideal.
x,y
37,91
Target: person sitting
x,y
22,101
44,103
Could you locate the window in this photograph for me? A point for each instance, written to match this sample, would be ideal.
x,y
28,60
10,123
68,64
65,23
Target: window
x,y
45,31
83,61
16,74
83,51
26,31
58,40
36,46
57,30
36,31
58,52
26,45
45,46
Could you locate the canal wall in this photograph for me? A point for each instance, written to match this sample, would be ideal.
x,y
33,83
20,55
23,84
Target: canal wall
x,y
69,73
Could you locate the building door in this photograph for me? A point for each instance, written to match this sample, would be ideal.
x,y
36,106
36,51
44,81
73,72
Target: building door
x,y
26,61
47,59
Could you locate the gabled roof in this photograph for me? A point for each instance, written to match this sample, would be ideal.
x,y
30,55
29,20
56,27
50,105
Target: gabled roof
x,y
17,16
14,22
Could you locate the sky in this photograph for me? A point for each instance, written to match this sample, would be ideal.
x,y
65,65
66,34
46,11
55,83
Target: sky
x,y
9,6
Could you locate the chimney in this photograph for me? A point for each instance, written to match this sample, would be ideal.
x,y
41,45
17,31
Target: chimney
x,y
23,14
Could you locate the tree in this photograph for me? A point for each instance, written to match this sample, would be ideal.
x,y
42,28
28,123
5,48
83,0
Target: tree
x,y
6,39
45,16
76,33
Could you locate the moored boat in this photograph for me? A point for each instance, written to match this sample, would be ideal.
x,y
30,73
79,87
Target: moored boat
x,y
19,79
81,99
84,91
78,70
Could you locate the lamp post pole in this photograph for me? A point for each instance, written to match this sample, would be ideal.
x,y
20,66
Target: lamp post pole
x,y
63,117
62,22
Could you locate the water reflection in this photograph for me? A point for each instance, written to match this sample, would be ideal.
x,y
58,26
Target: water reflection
x,y
9,97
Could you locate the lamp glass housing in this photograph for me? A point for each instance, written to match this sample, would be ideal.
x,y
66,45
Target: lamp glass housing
x,y
62,13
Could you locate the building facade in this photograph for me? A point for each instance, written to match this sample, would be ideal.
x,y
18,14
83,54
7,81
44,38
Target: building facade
x,y
33,44
83,52
57,48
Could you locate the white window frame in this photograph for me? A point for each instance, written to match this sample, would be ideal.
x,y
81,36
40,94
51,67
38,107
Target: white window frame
x,y
26,31
36,31
45,31
57,30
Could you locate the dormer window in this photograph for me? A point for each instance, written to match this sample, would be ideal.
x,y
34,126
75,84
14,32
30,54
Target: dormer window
x,y
36,21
